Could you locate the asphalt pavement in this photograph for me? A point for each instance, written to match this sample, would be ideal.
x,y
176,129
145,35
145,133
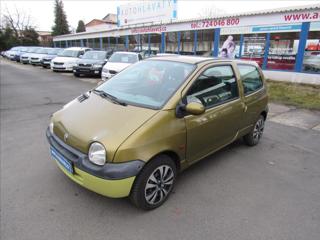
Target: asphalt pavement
x,y
270,191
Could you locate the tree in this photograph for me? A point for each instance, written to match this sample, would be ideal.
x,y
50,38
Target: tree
x,y
30,37
81,27
18,30
17,21
60,20
7,38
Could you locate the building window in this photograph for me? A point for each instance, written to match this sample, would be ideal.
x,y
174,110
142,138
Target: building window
x,y
229,46
187,43
253,47
311,60
205,42
171,42
283,50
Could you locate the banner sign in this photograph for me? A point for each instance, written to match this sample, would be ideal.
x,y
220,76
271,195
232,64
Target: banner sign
x,y
282,28
147,12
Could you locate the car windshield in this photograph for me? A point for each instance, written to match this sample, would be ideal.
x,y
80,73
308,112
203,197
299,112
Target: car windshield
x,y
95,55
123,58
43,50
69,53
149,83
54,51
32,50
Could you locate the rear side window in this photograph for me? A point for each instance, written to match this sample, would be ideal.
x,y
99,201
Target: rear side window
x,y
251,78
216,85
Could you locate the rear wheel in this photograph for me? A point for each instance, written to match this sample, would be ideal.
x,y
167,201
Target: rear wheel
x,y
76,74
255,135
154,184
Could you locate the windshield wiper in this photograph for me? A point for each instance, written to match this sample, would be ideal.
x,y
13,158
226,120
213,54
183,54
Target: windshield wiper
x,y
113,99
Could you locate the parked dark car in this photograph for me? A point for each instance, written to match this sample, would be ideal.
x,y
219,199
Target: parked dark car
x,y
91,63
18,53
52,53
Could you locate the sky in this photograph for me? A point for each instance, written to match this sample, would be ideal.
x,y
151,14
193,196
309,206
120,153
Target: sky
x,y
41,11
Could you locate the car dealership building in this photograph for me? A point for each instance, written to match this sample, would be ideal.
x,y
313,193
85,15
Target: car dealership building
x,y
286,39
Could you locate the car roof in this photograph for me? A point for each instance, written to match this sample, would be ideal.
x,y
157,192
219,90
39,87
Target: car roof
x,y
77,48
196,59
131,53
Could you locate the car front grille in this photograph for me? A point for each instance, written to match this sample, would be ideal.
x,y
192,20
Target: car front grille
x,y
34,58
85,65
46,59
58,63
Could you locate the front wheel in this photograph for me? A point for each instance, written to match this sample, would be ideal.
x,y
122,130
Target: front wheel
x,y
255,135
154,183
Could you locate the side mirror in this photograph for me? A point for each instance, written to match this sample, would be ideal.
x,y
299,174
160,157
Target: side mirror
x,y
195,108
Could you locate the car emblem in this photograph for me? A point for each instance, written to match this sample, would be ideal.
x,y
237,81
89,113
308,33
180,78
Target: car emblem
x,y
65,137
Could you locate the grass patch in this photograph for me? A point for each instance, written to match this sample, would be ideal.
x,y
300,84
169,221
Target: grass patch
x,y
302,96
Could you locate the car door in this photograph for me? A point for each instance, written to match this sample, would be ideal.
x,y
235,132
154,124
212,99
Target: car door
x,y
254,93
217,89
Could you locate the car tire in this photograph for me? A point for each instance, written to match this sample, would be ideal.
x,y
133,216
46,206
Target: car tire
x,y
253,138
76,74
154,183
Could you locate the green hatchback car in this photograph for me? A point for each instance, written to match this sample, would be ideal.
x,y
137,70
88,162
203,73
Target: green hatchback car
x,y
133,134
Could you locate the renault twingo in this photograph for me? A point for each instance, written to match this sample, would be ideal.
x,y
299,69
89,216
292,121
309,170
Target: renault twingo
x,y
133,134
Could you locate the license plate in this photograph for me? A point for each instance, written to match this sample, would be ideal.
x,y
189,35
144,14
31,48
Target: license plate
x,y
58,66
61,159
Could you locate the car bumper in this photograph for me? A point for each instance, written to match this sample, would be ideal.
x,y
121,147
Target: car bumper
x,y
24,60
109,188
112,180
105,76
62,68
46,63
87,71
35,62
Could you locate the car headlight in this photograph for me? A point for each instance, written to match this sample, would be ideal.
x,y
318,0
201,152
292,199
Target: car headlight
x,y
97,65
105,70
51,127
97,154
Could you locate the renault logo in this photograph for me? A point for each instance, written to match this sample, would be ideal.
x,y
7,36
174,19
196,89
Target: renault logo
x,y
65,137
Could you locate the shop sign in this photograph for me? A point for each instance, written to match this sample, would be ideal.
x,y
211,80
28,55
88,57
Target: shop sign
x,y
147,12
282,28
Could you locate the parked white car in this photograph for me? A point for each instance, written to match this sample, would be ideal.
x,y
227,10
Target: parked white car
x,y
67,59
36,58
117,62
26,57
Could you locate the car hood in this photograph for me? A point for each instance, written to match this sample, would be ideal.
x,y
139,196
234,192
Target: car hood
x,y
116,66
26,54
65,59
90,61
49,56
37,55
98,119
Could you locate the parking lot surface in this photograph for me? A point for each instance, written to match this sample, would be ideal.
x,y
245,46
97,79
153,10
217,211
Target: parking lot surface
x,y
270,191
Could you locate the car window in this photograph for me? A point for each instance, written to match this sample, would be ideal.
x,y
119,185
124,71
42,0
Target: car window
x,y
251,78
95,55
214,86
123,58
